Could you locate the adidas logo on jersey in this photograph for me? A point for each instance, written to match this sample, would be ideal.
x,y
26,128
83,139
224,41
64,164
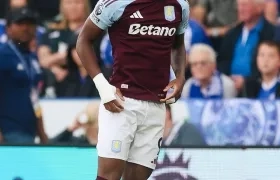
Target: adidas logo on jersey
x,y
137,14
135,29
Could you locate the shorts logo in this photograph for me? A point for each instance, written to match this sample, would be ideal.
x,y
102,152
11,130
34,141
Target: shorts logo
x,y
116,146
169,13
99,9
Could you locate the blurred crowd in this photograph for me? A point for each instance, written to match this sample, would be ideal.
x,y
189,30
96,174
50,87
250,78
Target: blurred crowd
x,y
232,51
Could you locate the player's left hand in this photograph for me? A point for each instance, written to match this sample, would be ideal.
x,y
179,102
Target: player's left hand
x,y
177,86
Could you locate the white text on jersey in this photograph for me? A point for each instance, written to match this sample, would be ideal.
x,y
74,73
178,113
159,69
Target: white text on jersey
x,y
151,30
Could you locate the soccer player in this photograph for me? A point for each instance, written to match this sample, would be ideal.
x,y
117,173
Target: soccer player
x,y
146,35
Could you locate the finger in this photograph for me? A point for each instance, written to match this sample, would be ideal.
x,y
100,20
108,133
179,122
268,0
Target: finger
x,y
108,107
170,85
119,93
118,105
113,108
172,95
167,98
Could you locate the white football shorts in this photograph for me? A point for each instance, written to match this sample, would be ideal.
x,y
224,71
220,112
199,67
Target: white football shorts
x,y
134,135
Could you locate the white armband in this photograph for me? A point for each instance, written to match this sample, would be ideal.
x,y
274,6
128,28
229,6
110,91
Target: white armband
x,y
106,90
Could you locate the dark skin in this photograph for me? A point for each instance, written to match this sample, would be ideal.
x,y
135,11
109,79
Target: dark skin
x,y
178,63
88,35
22,32
114,169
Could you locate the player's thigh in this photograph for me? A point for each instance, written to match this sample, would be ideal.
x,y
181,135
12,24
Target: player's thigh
x,y
115,134
136,172
147,141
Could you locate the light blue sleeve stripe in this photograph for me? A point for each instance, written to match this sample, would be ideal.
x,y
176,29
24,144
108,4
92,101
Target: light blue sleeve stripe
x,y
106,13
185,16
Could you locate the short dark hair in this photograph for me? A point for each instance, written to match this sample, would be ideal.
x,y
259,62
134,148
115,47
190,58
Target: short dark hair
x,y
271,43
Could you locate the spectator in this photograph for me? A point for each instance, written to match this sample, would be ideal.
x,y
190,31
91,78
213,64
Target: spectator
x,y
54,43
86,120
268,62
76,82
48,9
18,3
217,16
195,32
271,11
13,4
106,55
170,128
238,51
206,82
180,133
20,74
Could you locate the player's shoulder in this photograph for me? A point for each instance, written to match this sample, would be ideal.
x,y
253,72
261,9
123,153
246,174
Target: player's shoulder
x,y
111,5
107,12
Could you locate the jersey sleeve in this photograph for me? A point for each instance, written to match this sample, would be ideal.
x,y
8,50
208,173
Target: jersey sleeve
x,y
185,16
106,13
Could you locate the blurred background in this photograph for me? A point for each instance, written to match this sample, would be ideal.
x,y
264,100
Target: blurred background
x,y
226,126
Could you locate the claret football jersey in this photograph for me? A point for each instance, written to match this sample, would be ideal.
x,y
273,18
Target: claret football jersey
x,y
142,33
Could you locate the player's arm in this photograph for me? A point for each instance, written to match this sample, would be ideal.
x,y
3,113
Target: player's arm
x,y
87,36
98,21
178,63
178,58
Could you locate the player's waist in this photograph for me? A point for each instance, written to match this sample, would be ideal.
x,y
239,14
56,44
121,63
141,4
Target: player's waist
x,y
141,93
151,79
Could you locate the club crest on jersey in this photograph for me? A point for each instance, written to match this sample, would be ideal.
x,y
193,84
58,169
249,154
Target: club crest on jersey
x,y
169,13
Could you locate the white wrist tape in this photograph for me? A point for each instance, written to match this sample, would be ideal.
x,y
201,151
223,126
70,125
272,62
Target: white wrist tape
x,y
106,91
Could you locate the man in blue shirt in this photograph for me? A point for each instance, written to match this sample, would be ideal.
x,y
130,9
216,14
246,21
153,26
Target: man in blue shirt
x,y
237,56
13,4
20,75
195,34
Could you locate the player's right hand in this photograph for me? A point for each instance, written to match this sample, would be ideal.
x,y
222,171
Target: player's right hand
x,y
110,95
115,105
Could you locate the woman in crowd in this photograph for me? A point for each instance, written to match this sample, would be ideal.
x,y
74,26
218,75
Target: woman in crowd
x,y
75,81
53,46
